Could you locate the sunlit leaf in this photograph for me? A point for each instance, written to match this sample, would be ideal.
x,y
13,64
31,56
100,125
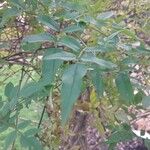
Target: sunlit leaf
x,y
41,37
61,56
106,15
103,64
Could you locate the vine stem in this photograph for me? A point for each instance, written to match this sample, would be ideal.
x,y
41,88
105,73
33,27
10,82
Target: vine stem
x,y
42,114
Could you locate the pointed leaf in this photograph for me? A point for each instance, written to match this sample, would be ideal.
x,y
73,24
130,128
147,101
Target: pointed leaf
x,y
30,46
119,136
49,22
102,63
42,37
125,88
70,42
98,82
8,89
73,28
50,67
32,88
61,56
72,79
106,15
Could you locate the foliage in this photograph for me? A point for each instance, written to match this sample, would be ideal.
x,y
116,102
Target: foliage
x,y
79,49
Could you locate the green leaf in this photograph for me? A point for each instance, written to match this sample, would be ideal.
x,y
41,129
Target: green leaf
x,y
98,82
61,56
102,63
50,67
30,46
129,33
24,124
70,42
13,97
31,132
138,97
71,15
30,142
9,13
147,143
10,139
73,28
72,79
146,102
32,88
49,22
125,88
8,90
106,15
41,37
3,127
119,136
1,102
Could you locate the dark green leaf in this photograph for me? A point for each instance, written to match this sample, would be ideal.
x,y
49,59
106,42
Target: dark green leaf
x,y
32,88
30,46
147,143
138,97
70,42
98,82
8,90
49,22
119,136
125,88
50,67
72,79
